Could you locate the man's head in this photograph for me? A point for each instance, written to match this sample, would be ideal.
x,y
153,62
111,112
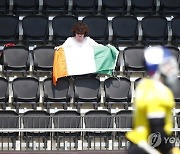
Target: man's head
x,y
161,64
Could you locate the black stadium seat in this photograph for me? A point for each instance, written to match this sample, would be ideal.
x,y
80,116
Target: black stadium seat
x,y
9,29
125,30
35,30
4,6
98,28
175,26
4,92
62,28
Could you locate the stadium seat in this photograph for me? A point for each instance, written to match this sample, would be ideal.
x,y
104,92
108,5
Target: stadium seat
x,y
98,28
169,7
84,7
133,60
14,65
175,23
67,119
59,94
98,119
34,119
115,7
4,92
9,120
25,91
43,57
4,6
62,28
141,7
155,30
87,90
123,119
9,29
25,7
55,7
125,30
35,30
117,91
176,92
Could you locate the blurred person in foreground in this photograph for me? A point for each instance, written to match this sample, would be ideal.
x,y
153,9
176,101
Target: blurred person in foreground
x,y
154,102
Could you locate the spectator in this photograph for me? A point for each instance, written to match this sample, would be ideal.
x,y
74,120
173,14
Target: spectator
x,y
80,38
153,105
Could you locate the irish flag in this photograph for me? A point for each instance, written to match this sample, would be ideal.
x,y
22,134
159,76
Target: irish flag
x,y
70,61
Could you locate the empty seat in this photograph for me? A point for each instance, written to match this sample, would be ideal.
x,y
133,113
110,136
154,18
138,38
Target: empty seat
x,y
176,92
25,7
98,119
9,29
98,28
143,7
64,120
133,60
4,92
62,28
16,59
169,7
55,7
175,23
114,7
59,94
125,30
35,119
123,119
43,59
87,90
85,7
155,30
35,30
117,91
9,120
4,6
25,91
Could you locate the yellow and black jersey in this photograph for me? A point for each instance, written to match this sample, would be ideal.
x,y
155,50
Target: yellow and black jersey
x,y
153,100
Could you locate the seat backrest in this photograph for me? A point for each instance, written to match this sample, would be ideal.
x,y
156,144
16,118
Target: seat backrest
x,y
67,119
154,26
98,119
59,91
114,3
16,56
125,26
142,3
4,88
84,4
97,25
175,23
36,119
134,57
43,57
54,3
123,119
25,4
9,119
62,25
9,26
35,26
117,87
170,3
87,87
25,88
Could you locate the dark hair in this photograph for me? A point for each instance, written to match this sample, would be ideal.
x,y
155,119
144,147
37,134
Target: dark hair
x,y
80,28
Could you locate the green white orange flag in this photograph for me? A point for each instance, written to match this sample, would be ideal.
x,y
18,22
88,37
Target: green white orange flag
x,y
70,61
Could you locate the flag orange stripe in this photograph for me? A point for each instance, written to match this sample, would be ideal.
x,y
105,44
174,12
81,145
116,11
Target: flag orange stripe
x,y
59,65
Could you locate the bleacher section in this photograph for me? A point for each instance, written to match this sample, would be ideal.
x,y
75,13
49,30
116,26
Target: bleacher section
x,y
80,113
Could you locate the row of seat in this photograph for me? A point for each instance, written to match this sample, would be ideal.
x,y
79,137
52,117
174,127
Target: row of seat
x,y
125,29
35,119
91,6
42,60
85,90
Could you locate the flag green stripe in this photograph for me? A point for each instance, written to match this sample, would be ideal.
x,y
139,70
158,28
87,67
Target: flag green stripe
x,y
105,59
